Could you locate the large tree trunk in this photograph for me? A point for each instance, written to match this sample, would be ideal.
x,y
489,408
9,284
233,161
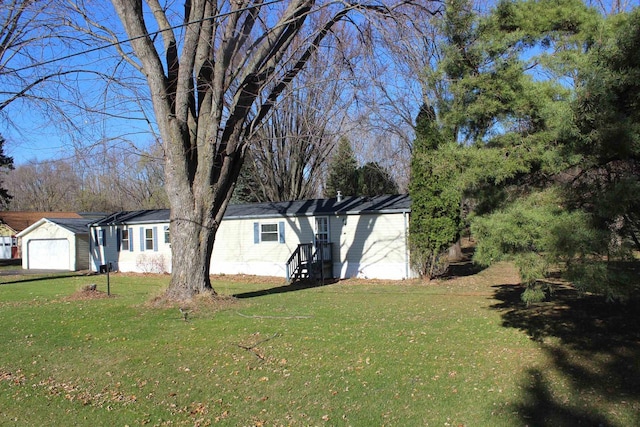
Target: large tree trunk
x,y
190,263
210,90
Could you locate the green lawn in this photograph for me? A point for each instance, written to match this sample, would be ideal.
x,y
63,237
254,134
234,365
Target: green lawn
x,y
457,352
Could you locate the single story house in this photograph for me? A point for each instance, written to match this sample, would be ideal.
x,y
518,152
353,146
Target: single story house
x,y
13,222
56,244
350,236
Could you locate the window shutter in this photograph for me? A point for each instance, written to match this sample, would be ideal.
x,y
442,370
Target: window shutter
x,y
141,239
95,237
155,239
281,231
118,239
131,240
256,232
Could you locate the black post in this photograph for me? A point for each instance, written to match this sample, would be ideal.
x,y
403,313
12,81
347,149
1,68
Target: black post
x,y
322,263
108,284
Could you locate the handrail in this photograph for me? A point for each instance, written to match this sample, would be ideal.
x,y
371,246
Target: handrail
x,y
302,254
305,254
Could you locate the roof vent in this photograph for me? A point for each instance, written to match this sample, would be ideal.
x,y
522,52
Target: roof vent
x,y
339,196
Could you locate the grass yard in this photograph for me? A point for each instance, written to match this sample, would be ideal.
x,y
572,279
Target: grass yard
x,y
459,352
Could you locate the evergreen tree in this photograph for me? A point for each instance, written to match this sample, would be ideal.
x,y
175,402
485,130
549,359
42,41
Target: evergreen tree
x,y
374,180
343,171
608,122
6,163
511,124
568,185
606,185
435,198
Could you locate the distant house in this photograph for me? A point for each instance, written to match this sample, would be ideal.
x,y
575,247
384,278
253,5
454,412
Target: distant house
x,y
56,244
339,237
13,222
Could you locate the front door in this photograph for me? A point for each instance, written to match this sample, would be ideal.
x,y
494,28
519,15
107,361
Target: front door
x,y
322,236
322,230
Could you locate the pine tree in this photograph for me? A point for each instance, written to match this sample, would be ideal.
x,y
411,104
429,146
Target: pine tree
x,y
343,171
6,163
435,199
375,180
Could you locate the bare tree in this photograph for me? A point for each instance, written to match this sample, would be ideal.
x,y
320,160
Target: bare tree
x,y
46,186
117,178
53,79
220,69
23,34
145,175
288,154
289,151
94,180
394,84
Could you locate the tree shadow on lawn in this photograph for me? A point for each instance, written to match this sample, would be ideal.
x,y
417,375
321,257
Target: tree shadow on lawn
x,y
292,287
24,278
594,345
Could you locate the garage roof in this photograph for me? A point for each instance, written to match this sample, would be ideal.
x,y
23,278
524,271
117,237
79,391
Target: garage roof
x,y
20,220
75,225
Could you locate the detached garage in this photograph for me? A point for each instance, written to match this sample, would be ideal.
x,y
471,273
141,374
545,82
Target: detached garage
x,y
56,244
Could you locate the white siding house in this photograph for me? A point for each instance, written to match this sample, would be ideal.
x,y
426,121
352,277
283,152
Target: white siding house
x,y
367,237
135,241
56,244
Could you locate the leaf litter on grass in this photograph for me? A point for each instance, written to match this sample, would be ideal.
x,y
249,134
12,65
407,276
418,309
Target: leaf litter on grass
x,y
366,353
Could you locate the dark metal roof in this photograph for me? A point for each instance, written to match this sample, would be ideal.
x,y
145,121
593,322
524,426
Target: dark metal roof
x,y
347,206
135,217
75,225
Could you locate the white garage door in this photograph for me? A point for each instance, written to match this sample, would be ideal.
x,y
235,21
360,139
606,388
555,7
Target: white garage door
x,y
48,254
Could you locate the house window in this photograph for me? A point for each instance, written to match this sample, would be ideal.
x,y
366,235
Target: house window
x,y
268,232
125,240
101,238
167,237
148,239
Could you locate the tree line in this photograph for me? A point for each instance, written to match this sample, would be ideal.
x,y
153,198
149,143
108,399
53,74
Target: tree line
x,y
110,179
103,179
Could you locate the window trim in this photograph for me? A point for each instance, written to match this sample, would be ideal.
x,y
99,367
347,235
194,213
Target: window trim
x,y
273,235
279,232
101,236
148,240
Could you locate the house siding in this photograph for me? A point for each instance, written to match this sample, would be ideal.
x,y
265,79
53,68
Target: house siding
x,y
236,252
370,246
106,253
5,230
82,252
138,258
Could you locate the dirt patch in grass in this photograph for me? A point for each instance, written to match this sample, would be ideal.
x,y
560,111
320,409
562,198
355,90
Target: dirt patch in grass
x,y
87,293
203,303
